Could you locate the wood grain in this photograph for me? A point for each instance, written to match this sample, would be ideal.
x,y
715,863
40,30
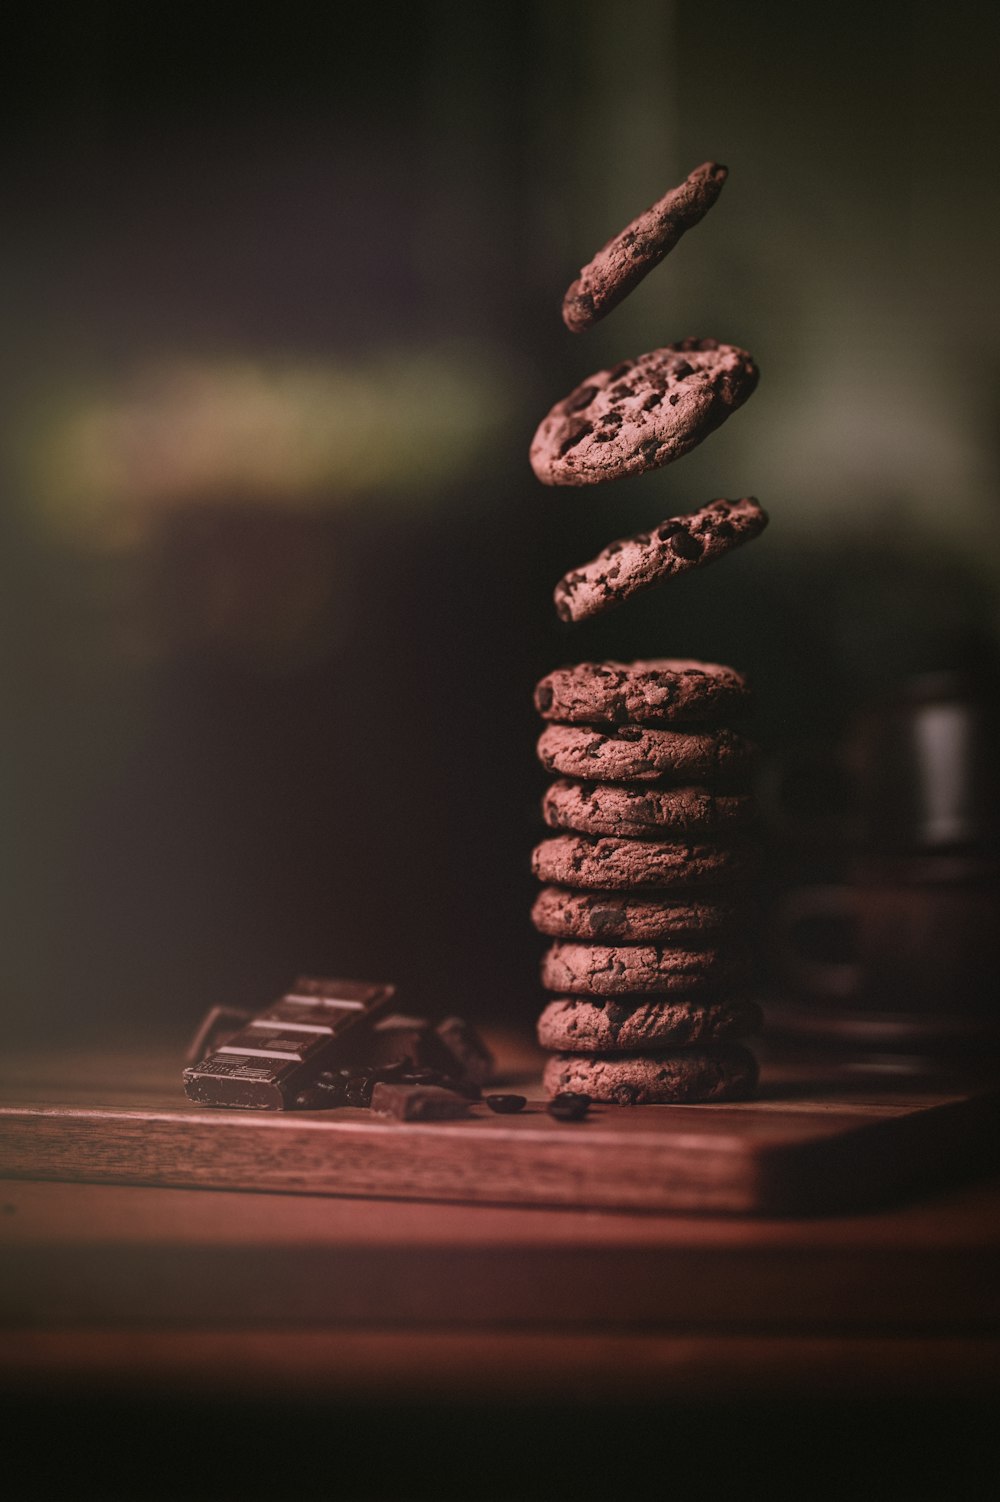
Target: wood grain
x,y
793,1149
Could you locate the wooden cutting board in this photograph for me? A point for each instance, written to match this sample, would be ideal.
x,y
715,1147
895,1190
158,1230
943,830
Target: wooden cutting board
x,y
804,1145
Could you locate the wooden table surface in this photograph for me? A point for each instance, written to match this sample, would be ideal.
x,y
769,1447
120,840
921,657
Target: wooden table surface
x,y
200,1296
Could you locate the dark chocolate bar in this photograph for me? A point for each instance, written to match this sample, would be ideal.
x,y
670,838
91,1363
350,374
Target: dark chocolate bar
x,y
265,1065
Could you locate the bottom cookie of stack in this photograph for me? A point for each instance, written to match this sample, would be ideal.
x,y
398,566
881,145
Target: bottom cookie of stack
x,y
717,1072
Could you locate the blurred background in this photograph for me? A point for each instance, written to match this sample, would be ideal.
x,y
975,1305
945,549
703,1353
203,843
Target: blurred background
x,y
281,297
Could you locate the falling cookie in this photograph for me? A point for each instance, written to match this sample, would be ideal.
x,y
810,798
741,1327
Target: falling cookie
x,y
639,969
715,1072
604,864
623,1024
643,413
640,812
625,260
676,545
636,753
660,691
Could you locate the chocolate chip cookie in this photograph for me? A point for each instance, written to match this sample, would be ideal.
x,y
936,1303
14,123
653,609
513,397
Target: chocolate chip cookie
x,y
630,918
643,812
605,864
621,1024
635,753
666,690
623,262
638,969
643,413
714,1072
676,545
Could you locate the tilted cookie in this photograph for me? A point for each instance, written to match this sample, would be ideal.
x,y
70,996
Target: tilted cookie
x,y
635,753
662,691
639,969
624,261
676,545
714,1072
630,918
639,812
604,864
643,413
623,1024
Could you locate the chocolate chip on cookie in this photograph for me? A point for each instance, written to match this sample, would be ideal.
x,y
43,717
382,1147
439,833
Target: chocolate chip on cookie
x,y
626,1024
624,261
662,691
636,563
643,413
715,1072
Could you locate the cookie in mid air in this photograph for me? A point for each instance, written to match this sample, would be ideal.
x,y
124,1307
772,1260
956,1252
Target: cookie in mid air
x,y
663,690
642,811
604,864
623,262
713,1072
636,969
625,1024
643,413
676,545
636,753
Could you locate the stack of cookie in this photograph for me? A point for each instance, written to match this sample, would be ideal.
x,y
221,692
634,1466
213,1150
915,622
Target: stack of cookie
x,y
641,877
650,807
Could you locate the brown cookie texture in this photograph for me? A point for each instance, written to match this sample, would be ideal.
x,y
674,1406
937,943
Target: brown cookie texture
x,y
676,545
598,862
610,917
637,753
623,262
714,1072
665,690
637,812
639,969
643,413
623,1024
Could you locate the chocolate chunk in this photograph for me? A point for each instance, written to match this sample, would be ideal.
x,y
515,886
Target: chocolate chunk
x,y
418,1102
473,1058
506,1105
569,1106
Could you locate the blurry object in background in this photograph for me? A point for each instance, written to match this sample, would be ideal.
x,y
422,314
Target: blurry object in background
x,y
312,434
903,956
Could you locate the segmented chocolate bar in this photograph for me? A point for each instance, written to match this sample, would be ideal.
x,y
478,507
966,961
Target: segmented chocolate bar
x,y
264,1066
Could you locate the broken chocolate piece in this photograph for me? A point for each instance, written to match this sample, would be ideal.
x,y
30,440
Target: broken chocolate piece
x,y
279,1054
506,1105
418,1102
467,1049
